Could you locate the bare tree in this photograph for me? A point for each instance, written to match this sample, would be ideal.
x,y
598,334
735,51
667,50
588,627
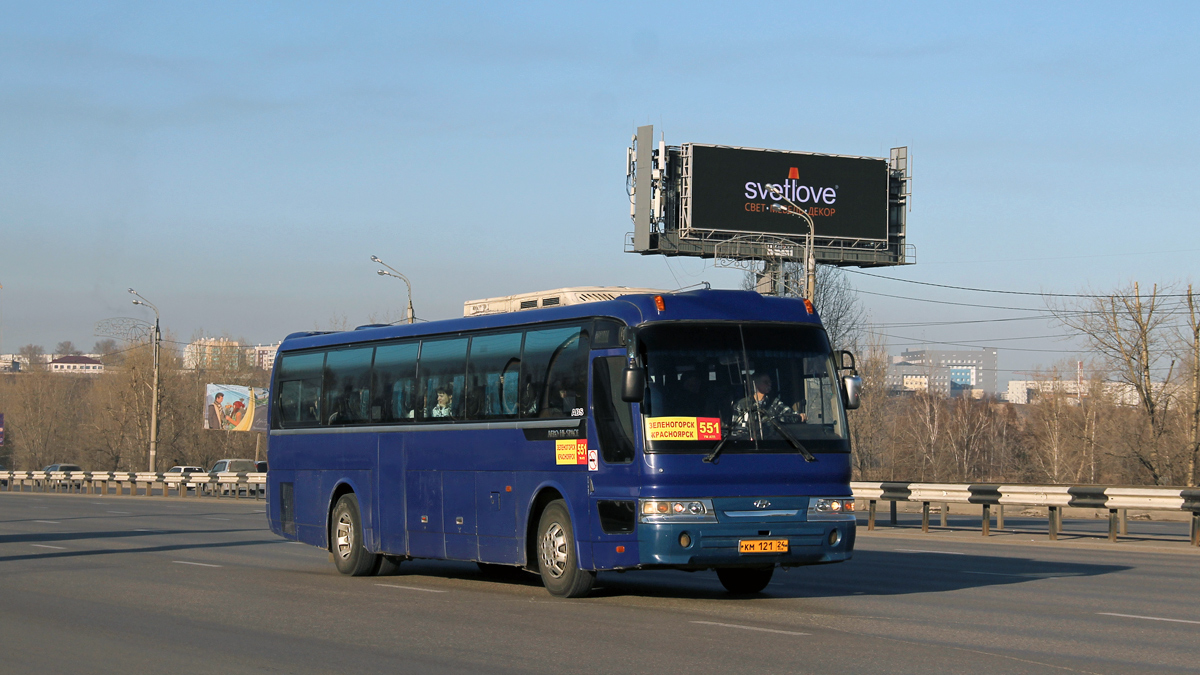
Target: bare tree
x,y
1189,348
835,301
66,348
1127,329
105,347
871,425
31,355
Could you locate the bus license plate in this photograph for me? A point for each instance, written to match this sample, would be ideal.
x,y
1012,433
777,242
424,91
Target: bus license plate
x,y
763,546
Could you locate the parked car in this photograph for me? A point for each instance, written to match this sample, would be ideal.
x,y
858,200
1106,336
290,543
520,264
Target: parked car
x,y
261,467
238,465
72,484
63,467
186,469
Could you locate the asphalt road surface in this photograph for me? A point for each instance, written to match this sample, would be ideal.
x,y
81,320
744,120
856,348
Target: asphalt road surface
x,y
130,585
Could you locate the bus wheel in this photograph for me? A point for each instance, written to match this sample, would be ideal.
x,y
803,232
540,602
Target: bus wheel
x,y
349,556
745,579
557,558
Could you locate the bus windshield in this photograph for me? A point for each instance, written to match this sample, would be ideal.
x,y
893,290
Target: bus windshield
x,y
758,387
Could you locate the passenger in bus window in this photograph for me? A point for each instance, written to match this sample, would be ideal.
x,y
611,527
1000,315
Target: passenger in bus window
x,y
445,401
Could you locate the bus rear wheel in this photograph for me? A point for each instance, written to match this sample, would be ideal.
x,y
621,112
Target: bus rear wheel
x,y
745,580
346,538
558,560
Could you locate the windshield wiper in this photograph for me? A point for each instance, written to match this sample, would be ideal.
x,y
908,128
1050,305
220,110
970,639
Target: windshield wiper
x,y
716,451
808,456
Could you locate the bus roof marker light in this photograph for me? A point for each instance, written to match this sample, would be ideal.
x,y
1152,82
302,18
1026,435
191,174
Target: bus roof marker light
x,y
808,306
659,304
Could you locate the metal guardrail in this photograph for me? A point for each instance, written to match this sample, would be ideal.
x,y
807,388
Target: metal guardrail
x,y
105,482
1053,497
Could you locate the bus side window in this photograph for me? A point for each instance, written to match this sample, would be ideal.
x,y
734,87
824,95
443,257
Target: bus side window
x,y
393,387
614,422
554,372
442,374
493,376
299,402
348,386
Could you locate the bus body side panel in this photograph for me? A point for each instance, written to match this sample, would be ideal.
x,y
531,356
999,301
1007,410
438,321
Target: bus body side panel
x,y
390,494
318,463
492,500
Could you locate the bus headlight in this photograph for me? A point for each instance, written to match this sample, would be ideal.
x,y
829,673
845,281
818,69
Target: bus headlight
x,y
677,511
824,508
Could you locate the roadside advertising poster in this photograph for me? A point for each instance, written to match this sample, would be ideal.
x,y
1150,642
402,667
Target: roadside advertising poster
x,y
231,407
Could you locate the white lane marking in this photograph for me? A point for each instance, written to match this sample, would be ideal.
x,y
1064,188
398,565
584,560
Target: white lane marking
x,y
734,625
411,588
125,512
186,562
212,518
297,542
61,548
158,531
52,522
1148,618
918,550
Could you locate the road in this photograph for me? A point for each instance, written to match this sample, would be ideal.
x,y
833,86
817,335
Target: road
x,y
127,585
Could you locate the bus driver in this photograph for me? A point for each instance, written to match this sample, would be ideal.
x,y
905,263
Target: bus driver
x,y
767,405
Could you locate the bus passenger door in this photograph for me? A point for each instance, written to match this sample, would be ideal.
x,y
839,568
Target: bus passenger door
x,y
614,483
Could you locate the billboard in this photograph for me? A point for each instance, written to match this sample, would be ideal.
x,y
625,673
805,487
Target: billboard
x,y
846,197
231,407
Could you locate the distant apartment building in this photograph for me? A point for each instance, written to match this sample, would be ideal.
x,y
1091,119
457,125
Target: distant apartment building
x,y
214,354
76,365
1023,392
944,372
264,355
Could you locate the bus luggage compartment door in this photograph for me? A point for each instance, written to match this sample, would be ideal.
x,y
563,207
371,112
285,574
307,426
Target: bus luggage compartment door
x,y
458,511
497,507
423,490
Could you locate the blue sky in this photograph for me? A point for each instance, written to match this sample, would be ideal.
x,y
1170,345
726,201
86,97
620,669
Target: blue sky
x,y
238,163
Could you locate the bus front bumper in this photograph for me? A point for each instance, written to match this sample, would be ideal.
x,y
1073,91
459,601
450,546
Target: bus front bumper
x,y
706,545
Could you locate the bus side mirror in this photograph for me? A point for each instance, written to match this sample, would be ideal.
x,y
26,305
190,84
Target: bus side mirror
x,y
633,385
846,361
852,391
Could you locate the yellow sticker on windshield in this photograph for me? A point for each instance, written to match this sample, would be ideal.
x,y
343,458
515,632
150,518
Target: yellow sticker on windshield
x,y
571,451
683,429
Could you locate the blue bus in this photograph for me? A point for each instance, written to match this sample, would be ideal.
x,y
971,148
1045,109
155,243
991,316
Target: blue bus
x,y
694,430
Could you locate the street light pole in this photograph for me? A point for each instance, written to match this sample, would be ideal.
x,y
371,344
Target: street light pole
x,y
396,274
156,340
810,257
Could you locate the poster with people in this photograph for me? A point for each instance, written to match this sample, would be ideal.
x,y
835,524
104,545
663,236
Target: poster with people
x,y
231,407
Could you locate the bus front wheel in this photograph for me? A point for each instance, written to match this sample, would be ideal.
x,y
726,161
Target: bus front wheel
x,y
745,579
558,561
349,554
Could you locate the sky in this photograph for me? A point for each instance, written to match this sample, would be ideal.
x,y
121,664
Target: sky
x,y
239,163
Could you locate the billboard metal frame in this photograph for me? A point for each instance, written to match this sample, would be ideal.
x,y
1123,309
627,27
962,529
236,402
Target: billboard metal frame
x,y
660,186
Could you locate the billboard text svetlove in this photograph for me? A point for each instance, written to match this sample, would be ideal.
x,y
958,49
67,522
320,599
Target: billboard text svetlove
x,y
846,197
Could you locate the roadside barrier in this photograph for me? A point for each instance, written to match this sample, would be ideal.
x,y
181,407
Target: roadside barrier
x,y
114,482
1117,500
